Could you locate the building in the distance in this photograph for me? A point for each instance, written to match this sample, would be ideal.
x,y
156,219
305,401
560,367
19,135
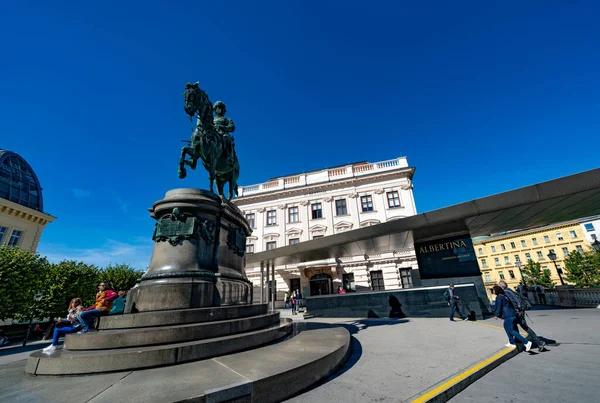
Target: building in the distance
x,y
499,256
591,229
22,217
297,208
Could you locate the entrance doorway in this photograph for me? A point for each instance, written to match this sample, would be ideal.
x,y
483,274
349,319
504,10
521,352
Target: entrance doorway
x,y
294,284
320,284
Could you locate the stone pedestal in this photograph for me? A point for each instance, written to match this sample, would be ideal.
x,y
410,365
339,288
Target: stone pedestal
x,y
199,255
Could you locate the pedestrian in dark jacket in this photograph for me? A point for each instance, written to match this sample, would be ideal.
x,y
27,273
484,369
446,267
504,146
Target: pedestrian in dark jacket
x,y
505,310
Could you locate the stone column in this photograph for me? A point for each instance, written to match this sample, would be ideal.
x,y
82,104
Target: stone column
x,y
199,255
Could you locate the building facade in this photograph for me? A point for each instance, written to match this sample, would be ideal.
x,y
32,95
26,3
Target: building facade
x,y
297,208
591,228
499,256
22,218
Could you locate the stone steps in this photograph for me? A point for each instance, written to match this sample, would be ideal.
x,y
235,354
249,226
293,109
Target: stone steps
x,y
180,316
148,336
72,362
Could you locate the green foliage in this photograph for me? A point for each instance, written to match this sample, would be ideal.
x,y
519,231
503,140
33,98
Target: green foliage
x,y
120,276
583,269
21,278
533,274
67,280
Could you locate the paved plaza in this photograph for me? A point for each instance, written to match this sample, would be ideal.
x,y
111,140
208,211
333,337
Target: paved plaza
x,y
392,360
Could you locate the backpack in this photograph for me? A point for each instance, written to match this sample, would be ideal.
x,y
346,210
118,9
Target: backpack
x,y
446,295
516,301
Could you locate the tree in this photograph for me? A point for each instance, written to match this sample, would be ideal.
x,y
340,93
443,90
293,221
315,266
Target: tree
x,y
583,269
21,279
120,276
67,280
535,275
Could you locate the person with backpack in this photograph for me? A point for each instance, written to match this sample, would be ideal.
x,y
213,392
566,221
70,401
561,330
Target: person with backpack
x,y
452,300
506,311
521,306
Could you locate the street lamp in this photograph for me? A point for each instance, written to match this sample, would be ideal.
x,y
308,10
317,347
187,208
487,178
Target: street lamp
x,y
552,256
519,264
596,245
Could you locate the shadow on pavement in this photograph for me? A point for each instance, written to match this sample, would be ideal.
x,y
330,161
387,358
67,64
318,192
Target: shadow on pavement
x,y
19,349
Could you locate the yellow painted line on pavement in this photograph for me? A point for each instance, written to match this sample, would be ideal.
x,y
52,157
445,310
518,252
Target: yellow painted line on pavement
x,y
448,384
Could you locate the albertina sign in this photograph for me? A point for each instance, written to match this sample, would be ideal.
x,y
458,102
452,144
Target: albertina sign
x,y
449,257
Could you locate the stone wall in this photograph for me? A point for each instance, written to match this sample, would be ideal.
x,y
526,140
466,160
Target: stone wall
x,y
426,302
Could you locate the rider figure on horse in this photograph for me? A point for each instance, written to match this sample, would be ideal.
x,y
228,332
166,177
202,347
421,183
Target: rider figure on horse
x,y
224,126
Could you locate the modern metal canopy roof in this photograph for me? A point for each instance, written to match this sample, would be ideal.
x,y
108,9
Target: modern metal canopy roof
x,y
545,203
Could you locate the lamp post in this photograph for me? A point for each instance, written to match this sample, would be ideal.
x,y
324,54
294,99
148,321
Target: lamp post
x,y
519,264
552,256
596,245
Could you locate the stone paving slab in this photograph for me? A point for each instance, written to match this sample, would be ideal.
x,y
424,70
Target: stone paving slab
x,y
395,360
569,372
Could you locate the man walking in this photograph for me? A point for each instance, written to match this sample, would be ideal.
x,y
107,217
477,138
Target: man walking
x,y
452,300
520,306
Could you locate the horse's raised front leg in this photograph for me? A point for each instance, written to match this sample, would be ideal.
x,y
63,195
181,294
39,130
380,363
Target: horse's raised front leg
x,y
182,173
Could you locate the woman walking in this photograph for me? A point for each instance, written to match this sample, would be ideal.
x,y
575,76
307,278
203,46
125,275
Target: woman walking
x,y
505,310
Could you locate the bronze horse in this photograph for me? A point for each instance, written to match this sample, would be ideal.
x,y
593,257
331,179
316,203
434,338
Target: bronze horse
x,y
207,144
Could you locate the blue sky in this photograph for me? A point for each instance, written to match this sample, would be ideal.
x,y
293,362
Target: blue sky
x,y
481,98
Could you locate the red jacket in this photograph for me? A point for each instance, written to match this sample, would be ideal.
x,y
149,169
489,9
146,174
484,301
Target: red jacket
x,y
104,300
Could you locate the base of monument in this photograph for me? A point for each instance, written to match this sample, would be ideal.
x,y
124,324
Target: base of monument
x,y
139,346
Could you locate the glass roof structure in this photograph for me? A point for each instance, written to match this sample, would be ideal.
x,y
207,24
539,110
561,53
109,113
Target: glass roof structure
x,y
18,182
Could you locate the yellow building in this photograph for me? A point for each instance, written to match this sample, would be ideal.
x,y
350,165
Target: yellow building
x,y
22,218
498,255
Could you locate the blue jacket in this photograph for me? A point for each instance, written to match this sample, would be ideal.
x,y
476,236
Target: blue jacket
x,y
503,308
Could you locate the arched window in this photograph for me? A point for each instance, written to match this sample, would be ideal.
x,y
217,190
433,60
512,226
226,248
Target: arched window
x,y
18,182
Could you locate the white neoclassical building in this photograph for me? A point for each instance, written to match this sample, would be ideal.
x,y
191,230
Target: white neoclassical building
x,y
297,208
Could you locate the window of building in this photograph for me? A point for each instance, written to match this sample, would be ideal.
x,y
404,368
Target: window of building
x,y
534,240
493,248
250,219
14,238
565,251
550,251
377,280
250,248
594,237
502,247
483,263
18,182
488,278
2,232
512,245
511,273
546,239
506,260
293,215
540,255
517,258
340,207
497,261
527,256
480,251
348,282
589,227
405,278
501,274
271,217
559,236
579,248
366,203
573,234
294,241
317,211
271,245
393,199
523,243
